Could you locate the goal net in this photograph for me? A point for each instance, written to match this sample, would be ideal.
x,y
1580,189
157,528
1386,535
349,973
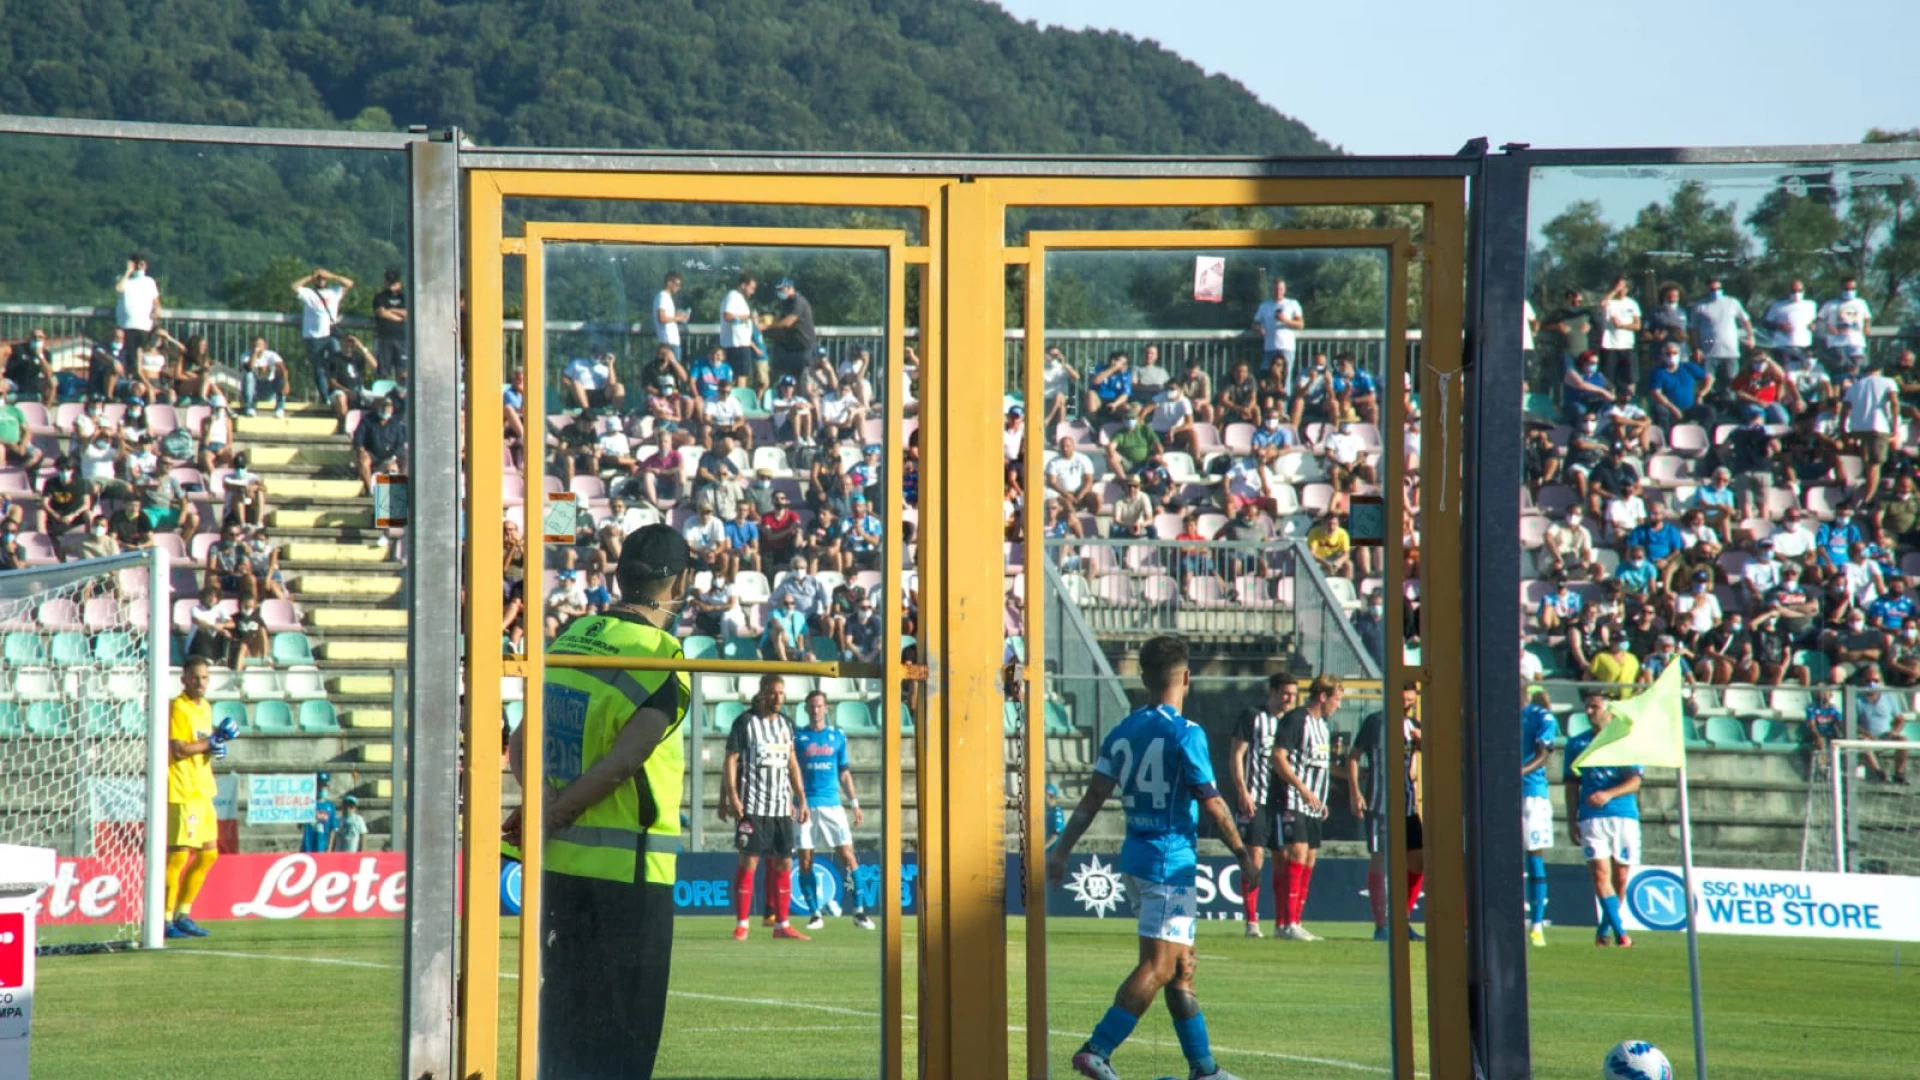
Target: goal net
x,y
82,713
1857,822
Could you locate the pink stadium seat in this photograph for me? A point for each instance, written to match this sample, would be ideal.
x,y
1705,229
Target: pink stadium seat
x,y
183,614
513,490
589,487
60,614
1757,529
1821,501
554,484
202,544
1206,439
173,544
1688,440
1166,526
1555,498
1205,590
161,419
38,548
101,613
1211,524
35,414
1779,501
1316,498
1533,531
279,615
65,414
1667,470
1158,589
1113,589
1239,438
14,481
1253,591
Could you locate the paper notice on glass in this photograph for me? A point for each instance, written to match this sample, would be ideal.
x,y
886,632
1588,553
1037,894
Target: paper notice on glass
x,y
390,503
1209,279
563,514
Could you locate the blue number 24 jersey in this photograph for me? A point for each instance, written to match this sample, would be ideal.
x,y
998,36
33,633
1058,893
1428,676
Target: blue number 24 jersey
x,y
1158,762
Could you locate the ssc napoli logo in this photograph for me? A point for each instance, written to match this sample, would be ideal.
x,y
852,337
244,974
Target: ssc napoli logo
x,y
826,885
1098,887
510,880
1658,898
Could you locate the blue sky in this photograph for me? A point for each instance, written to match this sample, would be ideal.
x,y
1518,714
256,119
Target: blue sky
x,y
1412,77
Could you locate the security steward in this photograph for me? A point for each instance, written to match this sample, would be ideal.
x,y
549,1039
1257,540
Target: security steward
x,y
614,770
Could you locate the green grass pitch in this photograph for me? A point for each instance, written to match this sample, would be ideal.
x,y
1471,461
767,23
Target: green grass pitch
x,y
297,1000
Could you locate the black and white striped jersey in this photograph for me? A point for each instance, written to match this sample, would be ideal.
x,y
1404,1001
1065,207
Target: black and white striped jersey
x,y
1256,729
765,746
1304,737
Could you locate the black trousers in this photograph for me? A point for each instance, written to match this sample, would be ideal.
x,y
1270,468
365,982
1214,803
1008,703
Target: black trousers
x,y
606,951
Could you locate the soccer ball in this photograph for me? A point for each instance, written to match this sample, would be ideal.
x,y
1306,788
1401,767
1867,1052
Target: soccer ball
x,y
1634,1060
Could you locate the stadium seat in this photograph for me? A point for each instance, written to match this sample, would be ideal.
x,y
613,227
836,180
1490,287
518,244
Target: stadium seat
x,y
305,681
133,718
47,720
231,710
1816,663
292,647
823,648
514,712
798,687
260,684
1745,703
740,648
1777,737
318,716
101,613
22,647
36,684
222,683
126,684
1578,724
720,717
279,615
1252,591
1911,729
60,614
1727,733
854,717
1790,703
70,649
839,690
273,718
750,587
1058,722
700,647
102,719
12,722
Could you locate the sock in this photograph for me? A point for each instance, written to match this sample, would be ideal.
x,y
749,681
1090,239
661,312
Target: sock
x,y
853,893
195,877
1610,915
1282,891
781,886
1303,880
1537,889
1377,896
1111,1031
810,891
742,894
1193,1043
1250,900
1415,878
176,869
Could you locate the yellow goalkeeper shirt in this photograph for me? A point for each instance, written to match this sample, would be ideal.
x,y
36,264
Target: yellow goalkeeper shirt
x,y
190,778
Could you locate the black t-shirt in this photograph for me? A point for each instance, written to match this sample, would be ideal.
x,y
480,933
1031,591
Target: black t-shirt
x,y
247,622
132,530
345,370
381,441
65,496
800,335
1614,477
1747,449
388,300
100,371
23,364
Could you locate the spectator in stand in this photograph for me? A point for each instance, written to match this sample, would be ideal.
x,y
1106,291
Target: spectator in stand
x,y
1750,448
1249,486
1239,397
1847,320
864,533
737,332
1727,653
827,543
1678,388
1893,609
1330,546
1133,448
1278,320
1346,455
321,294
1722,330
1056,387
246,494
1661,651
1617,665
130,527
1564,335
673,412
216,437
660,475
715,467
1313,396
1620,326
1613,479
95,541
1150,378
390,323
743,540
706,536
1636,573
1195,558
665,364
66,505
263,559
30,368
1762,384
1559,608
1359,394
249,635
107,367
781,535
1667,323
1870,417
862,638
1855,649
1132,512
13,556
667,318
1875,712
1790,321
190,371
16,441
1171,418
380,443
1567,551
1197,387
136,308
791,333
853,370
1716,502
785,638
210,628
1661,540
229,567
351,835
1585,391
1110,390
1903,655
346,379
712,376
715,611
841,415
1071,477
263,373
592,382
1899,512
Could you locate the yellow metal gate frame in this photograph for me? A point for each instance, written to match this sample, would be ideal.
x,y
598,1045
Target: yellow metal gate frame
x,y
961,782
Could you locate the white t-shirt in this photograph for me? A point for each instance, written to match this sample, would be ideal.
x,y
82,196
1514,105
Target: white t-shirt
x,y
1069,472
1793,543
1345,448
588,373
1867,403
1762,575
1167,413
736,335
1279,336
96,462
1244,479
838,408
708,537
665,327
1054,379
1011,442
152,363
1702,612
1846,323
1793,320
133,308
1616,312
725,412
263,365
319,310
1527,319
1626,513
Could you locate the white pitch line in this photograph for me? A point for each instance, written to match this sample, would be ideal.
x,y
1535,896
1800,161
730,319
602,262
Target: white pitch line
x,y
783,1003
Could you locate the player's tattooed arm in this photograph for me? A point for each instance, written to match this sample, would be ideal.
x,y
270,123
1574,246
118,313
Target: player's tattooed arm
x,y
1099,790
1216,809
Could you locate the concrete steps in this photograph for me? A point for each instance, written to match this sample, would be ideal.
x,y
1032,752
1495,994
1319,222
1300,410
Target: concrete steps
x,y
355,516
358,618
267,428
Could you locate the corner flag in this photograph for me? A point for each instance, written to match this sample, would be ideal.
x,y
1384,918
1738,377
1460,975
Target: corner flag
x,y
1648,728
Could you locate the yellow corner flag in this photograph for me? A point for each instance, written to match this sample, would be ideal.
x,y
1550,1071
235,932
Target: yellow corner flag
x,y
1648,728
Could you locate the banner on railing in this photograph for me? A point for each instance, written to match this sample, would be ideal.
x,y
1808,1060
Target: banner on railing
x,y
1775,903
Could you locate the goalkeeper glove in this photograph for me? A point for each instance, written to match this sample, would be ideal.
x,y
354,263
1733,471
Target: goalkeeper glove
x,y
224,732
219,751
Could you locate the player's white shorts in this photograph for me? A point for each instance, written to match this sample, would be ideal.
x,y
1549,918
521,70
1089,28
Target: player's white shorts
x,y
1616,838
831,824
1536,820
1166,911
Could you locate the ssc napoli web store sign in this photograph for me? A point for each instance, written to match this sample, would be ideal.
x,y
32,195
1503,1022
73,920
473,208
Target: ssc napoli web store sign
x,y
1771,903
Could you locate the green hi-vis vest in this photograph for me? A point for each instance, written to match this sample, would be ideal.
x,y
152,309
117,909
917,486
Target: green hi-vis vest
x,y
583,711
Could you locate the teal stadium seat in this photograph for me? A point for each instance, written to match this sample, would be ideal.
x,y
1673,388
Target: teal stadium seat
x,y
1058,722
1010,717
70,649
22,648
700,647
115,647
133,718
1727,733
291,647
720,717
740,648
854,718
824,648
101,718
234,711
12,723
45,719
318,717
516,712
273,718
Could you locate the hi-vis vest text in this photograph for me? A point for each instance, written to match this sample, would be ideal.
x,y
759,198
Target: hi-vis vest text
x,y
583,711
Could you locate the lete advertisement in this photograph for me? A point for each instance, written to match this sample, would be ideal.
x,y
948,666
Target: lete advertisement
x,y
1775,903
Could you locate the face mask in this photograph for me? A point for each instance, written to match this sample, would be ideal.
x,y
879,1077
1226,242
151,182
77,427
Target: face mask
x,y
99,530
1795,295
1734,626
1593,369
239,474
1672,362
1715,293
66,474
1847,294
137,275
1132,422
1273,425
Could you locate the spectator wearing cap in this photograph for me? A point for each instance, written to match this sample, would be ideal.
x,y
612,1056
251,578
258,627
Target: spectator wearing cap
x,y
793,414
1678,387
1110,390
791,333
867,471
1617,665
673,411
1585,391
351,834
1869,417
1722,330
567,602
1750,449
706,537
1013,434
1763,384
1071,477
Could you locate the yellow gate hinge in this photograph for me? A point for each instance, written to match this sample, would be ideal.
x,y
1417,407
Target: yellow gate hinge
x,y
513,245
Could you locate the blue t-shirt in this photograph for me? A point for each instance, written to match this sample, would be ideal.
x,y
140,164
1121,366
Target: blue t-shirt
x,y
1891,611
1824,718
1835,540
1056,814
1361,385
1117,385
318,835
741,533
1599,778
1158,762
1681,385
713,379
1277,438
1659,542
1636,578
1537,728
822,754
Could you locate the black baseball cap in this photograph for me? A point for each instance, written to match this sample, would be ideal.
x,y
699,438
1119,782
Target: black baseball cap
x,y
653,553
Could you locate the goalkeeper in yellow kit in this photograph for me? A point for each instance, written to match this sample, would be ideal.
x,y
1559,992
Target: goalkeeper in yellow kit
x,y
193,741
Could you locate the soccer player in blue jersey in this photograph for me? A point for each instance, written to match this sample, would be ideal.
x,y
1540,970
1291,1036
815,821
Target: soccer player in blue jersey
x,y
1538,730
825,774
1156,761
1603,803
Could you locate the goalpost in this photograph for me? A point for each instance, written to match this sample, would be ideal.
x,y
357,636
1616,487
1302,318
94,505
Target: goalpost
x,y
1855,823
84,651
